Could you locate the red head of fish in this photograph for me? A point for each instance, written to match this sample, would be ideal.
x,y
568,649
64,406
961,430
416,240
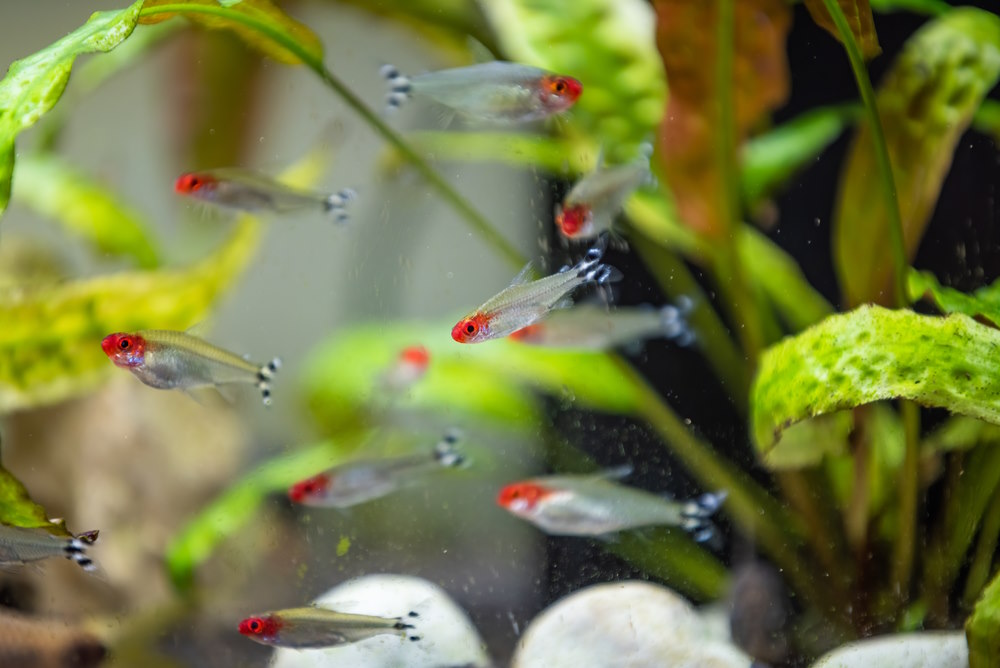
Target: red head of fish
x,y
416,356
305,490
573,220
521,497
260,628
192,182
559,93
125,350
471,329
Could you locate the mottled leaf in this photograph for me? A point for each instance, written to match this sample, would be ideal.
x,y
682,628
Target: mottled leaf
x,y
18,510
872,354
489,381
686,37
259,23
983,304
606,44
926,102
50,339
54,189
859,16
982,629
34,84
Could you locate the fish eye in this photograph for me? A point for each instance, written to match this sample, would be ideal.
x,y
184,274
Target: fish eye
x,y
560,86
124,344
255,625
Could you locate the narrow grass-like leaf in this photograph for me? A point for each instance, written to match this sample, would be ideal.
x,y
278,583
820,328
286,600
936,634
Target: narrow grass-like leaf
x,y
34,84
859,17
987,119
983,304
50,340
928,7
56,190
926,102
255,21
982,629
872,354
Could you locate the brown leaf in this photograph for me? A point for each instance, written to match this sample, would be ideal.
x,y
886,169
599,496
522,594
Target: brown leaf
x,y
686,38
859,17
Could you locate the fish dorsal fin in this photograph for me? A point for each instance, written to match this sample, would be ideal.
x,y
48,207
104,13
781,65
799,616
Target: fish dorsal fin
x,y
599,163
523,276
199,329
479,52
615,473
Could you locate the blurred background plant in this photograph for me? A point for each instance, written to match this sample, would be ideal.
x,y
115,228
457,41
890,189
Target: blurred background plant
x,y
775,200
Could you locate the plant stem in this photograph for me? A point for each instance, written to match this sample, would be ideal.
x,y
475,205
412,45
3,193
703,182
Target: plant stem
x,y
906,536
896,244
473,218
982,559
728,268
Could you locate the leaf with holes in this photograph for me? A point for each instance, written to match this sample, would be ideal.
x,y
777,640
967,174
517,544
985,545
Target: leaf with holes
x,y
859,16
259,23
926,102
872,354
34,84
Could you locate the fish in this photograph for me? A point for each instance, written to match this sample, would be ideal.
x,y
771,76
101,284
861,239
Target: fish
x,y
525,302
590,207
242,190
40,642
597,505
593,327
409,367
167,359
368,479
312,627
21,545
496,92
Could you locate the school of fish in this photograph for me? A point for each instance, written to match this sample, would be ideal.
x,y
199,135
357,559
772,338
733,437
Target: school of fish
x,y
531,310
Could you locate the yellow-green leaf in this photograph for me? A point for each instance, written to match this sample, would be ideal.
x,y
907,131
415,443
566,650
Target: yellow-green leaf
x,y
259,23
18,510
983,304
54,189
926,102
859,16
34,84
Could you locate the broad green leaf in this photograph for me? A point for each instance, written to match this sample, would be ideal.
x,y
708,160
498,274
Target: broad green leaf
x,y
608,45
807,443
50,340
929,7
772,158
960,433
259,23
859,16
872,354
987,119
983,304
34,84
693,165
18,510
238,505
926,102
490,381
982,629
54,189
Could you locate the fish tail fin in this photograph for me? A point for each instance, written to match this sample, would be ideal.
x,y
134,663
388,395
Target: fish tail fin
x,y
674,323
696,513
76,550
336,204
407,628
445,452
400,87
264,376
590,268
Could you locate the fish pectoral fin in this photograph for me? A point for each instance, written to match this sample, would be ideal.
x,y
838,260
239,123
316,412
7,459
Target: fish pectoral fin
x,y
210,397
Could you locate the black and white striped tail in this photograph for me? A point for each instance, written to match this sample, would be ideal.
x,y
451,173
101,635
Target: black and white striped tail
x,y
264,376
445,452
591,269
336,204
696,513
400,87
76,550
401,625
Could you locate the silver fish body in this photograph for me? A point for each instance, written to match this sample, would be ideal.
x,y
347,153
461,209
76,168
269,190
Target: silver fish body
x,y
601,195
593,327
20,546
305,628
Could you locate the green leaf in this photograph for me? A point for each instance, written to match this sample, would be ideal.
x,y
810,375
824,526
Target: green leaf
x,y
926,102
929,7
259,23
859,17
18,510
55,189
982,629
772,158
50,341
491,381
609,46
233,510
960,433
987,119
34,84
872,354
983,304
